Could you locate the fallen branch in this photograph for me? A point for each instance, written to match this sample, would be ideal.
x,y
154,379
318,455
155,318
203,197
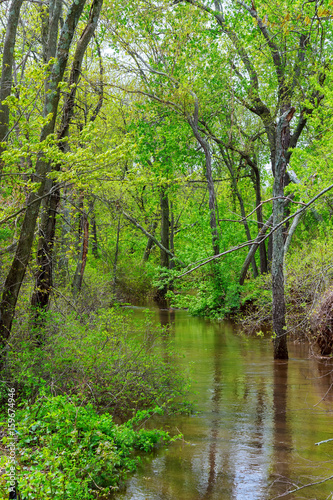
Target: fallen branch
x,y
302,487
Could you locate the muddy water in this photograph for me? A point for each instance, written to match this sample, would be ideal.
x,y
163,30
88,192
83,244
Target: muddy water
x,y
255,435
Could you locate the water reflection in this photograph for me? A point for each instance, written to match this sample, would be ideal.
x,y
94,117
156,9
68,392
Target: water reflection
x,y
258,424
213,459
282,429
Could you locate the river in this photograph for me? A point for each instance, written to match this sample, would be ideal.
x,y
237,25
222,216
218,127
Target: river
x,y
254,436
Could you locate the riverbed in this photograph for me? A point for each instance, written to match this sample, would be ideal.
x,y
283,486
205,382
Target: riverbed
x,y
258,423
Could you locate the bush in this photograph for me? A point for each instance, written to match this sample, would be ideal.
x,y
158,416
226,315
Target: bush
x,y
322,324
66,450
107,358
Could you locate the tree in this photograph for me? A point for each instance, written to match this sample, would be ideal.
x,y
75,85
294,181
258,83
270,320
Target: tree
x,y
50,109
290,84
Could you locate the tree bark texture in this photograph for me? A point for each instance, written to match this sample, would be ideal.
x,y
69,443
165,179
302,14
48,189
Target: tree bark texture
x,y
279,309
44,274
236,191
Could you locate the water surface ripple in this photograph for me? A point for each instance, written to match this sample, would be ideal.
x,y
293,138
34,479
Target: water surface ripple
x,y
255,435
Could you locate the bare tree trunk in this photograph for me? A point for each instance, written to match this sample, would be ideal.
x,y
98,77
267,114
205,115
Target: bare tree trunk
x,y
236,191
291,232
94,246
270,252
64,240
150,236
172,234
44,274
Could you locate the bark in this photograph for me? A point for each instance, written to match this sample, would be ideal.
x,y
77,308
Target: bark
x,y
44,274
279,310
64,241
270,252
18,268
291,232
172,234
7,71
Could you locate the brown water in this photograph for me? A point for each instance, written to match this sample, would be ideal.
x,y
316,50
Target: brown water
x,y
255,435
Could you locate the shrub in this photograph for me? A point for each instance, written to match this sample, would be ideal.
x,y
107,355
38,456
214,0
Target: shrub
x,y
322,324
119,364
66,450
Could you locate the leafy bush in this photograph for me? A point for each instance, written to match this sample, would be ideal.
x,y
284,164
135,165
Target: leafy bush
x,y
106,357
66,450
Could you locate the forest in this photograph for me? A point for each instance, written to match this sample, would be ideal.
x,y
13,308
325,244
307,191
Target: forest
x,y
175,153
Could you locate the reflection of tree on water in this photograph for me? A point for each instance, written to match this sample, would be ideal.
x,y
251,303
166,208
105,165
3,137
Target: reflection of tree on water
x,y
220,480
167,319
282,440
216,422
324,380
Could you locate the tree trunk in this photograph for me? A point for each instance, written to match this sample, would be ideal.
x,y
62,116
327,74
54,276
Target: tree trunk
x,y
253,249
172,234
152,237
18,268
279,308
115,262
44,274
150,243
164,203
79,272
262,247
64,240
43,286
270,252
94,246
7,71
236,191
193,122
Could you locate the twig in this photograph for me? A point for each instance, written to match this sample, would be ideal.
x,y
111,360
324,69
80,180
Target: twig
x,y
302,487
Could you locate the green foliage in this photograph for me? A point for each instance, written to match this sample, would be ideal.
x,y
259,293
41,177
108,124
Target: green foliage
x,y
66,450
105,357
